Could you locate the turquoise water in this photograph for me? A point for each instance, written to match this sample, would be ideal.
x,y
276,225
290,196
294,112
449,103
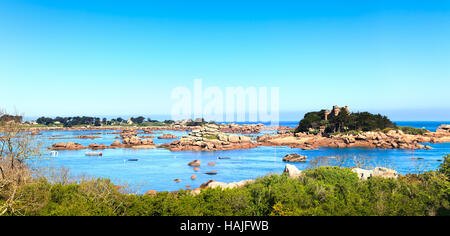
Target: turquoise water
x,y
157,168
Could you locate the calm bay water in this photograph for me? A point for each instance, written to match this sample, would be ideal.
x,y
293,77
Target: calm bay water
x,y
157,168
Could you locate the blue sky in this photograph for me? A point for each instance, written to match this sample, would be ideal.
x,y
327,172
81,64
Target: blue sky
x,y
125,57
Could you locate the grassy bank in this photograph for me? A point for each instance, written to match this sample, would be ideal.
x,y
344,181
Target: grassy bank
x,y
320,191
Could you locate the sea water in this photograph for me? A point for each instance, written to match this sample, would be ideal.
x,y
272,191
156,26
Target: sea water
x,y
157,168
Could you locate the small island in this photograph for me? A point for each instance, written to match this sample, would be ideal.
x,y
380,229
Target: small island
x,y
339,128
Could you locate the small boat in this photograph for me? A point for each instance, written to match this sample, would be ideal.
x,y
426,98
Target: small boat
x,y
211,173
54,153
224,158
133,159
93,153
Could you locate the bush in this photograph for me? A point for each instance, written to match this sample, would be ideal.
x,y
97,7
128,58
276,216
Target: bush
x,y
445,167
407,130
320,191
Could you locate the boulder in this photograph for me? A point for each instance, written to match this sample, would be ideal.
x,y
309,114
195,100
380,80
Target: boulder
x,y
115,143
35,132
150,193
167,136
215,184
294,158
233,138
443,129
377,172
292,171
384,172
194,163
362,174
96,146
206,184
67,146
245,139
146,142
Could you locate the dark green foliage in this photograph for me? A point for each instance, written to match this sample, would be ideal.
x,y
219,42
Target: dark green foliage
x,y
44,120
445,167
197,122
344,122
86,120
311,120
321,191
6,118
138,120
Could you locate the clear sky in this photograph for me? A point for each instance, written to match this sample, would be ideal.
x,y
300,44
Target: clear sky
x,y
125,57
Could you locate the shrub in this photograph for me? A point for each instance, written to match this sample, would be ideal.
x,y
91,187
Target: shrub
x,y
320,191
445,167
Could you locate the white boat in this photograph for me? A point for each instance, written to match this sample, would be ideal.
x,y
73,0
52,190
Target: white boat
x,y
94,153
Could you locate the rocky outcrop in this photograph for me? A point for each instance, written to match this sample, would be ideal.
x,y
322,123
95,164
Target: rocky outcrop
x,y
167,136
35,132
67,146
131,142
96,146
150,193
116,144
392,139
194,163
241,129
292,171
210,139
377,172
443,129
294,158
215,184
135,140
78,137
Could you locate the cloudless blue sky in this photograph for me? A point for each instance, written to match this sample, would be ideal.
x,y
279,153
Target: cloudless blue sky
x,y
125,57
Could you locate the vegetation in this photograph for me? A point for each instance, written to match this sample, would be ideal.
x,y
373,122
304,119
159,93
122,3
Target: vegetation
x,y
320,191
346,122
8,118
15,148
96,121
445,167
196,122
408,130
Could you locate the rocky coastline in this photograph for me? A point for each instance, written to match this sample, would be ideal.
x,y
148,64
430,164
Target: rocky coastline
x,y
210,138
129,140
393,139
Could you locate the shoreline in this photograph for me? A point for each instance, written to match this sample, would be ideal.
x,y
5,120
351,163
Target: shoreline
x,y
218,138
